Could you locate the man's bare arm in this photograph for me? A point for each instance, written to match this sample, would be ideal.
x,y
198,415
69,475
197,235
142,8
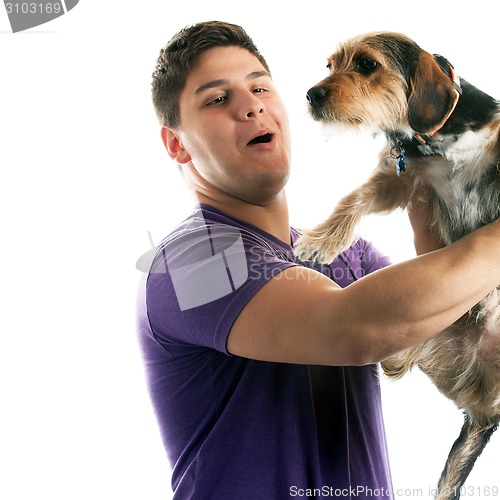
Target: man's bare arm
x,y
301,316
421,216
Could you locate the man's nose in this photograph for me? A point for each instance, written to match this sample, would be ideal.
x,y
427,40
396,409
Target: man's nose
x,y
251,107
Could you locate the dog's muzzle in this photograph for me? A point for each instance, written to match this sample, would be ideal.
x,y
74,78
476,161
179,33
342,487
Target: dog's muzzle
x,y
316,96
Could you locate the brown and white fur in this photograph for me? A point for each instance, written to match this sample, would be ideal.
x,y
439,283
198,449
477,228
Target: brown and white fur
x,y
448,132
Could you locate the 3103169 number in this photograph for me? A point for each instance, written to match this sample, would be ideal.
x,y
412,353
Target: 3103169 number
x,y
33,8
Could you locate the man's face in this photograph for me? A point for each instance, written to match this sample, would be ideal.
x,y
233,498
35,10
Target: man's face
x,y
234,127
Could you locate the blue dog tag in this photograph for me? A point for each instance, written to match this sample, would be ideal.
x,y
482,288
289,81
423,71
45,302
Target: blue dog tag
x,y
400,164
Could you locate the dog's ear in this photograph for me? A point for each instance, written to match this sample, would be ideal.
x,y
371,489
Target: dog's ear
x,y
432,95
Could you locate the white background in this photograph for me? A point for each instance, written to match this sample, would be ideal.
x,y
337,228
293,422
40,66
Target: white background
x,y
84,177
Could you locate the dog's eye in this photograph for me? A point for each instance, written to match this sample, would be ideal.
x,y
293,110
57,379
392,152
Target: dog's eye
x,y
366,65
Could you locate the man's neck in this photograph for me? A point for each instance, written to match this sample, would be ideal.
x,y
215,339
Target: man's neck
x,y
271,217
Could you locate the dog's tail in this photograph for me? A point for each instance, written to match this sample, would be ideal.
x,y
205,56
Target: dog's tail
x,y
464,453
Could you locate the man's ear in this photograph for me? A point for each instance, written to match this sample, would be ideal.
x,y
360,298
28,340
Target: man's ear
x,y
174,146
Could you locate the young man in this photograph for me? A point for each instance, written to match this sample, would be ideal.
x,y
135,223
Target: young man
x,y
262,369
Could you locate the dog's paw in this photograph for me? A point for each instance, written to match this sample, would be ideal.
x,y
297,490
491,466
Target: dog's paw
x,y
317,247
393,368
398,365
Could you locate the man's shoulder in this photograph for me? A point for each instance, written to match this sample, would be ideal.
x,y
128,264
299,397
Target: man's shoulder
x,y
207,232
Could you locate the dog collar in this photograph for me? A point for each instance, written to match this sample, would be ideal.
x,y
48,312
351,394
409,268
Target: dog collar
x,y
425,138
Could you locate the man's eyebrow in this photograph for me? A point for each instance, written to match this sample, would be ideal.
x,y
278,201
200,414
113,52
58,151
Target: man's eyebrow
x,y
258,74
210,85
221,82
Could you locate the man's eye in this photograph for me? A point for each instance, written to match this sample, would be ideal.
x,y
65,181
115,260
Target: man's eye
x,y
259,90
217,100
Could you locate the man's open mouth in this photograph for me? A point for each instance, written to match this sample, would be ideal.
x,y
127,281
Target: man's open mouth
x,y
261,139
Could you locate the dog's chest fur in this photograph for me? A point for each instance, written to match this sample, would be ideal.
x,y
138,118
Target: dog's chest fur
x,y
465,180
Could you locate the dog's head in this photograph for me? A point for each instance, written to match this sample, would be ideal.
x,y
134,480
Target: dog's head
x,y
385,81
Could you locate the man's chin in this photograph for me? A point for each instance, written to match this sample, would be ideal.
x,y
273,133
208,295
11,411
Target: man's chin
x,y
268,185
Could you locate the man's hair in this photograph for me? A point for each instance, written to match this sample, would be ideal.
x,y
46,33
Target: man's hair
x,y
181,54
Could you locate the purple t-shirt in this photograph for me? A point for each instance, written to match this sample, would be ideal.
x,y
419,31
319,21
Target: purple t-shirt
x,y
236,428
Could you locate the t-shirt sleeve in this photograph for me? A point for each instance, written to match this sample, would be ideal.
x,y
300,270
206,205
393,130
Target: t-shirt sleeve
x,y
372,259
201,280
360,259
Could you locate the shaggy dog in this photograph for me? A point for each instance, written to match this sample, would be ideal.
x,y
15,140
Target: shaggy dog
x,y
442,137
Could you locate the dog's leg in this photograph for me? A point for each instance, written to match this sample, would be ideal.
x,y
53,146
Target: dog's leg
x,y
464,453
333,236
383,192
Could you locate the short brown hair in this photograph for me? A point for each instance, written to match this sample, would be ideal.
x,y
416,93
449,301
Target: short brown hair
x,y
181,54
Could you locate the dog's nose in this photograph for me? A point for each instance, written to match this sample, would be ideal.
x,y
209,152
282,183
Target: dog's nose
x,y
317,96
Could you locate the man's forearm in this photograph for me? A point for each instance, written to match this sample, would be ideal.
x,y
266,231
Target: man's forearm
x,y
407,303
